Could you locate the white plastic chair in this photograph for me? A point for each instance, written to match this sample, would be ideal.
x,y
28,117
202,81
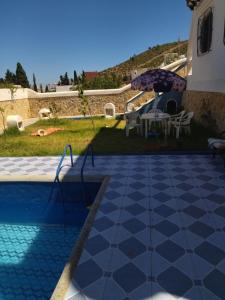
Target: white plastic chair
x,y
217,146
132,121
155,112
175,119
182,123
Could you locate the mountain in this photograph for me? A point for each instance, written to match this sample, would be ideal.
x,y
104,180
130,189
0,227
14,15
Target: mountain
x,y
151,58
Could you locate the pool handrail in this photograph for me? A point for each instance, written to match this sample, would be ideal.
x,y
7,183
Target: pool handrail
x,y
88,150
60,166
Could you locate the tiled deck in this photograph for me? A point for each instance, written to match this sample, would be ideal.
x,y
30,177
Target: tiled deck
x,y
159,230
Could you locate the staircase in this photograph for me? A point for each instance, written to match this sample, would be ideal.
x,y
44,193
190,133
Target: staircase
x,y
161,101
157,100
136,102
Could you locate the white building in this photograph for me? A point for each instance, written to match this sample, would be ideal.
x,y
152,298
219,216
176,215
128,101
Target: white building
x,y
63,88
206,51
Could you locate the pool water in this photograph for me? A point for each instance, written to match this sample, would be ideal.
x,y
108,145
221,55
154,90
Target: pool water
x,y
39,225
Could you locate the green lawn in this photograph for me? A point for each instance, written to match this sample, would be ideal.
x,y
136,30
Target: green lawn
x,y
108,138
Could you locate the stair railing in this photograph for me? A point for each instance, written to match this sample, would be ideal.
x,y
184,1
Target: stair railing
x,y
88,151
60,165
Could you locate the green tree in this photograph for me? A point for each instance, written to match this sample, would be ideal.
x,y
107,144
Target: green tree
x,y
75,78
34,83
101,82
61,81
84,103
66,79
83,78
10,77
46,89
41,88
21,77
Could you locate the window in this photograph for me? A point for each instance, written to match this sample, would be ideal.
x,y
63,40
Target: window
x,y
205,26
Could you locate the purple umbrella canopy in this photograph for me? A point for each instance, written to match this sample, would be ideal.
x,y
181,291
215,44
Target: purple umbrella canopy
x,y
159,80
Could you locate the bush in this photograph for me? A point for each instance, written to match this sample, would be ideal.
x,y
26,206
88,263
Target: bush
x,y
12,131
102,82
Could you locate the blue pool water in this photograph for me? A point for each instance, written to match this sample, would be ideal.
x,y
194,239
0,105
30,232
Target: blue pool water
x,y
39,226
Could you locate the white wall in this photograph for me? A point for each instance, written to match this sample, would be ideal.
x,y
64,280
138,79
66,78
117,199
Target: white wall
x,y
6,95
21,93
208,70
63,88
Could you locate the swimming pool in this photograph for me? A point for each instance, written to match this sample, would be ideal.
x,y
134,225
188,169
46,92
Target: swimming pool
x,y
39,225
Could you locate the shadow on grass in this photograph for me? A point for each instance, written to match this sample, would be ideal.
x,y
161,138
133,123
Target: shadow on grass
x,y
112,140
108,138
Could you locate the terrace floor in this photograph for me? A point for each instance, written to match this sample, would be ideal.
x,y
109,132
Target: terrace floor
x,y
159,232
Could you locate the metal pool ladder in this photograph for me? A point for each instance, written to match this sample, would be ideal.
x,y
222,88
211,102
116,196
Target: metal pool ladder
x,y
60,165
89,150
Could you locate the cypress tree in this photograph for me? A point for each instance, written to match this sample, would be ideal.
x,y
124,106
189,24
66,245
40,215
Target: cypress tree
x,y
34,83
61,80
21,77
83,77
10,77
66,79
41,88
75,79
46,89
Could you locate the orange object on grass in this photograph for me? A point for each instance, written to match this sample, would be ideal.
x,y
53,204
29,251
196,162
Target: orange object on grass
x,y
44,132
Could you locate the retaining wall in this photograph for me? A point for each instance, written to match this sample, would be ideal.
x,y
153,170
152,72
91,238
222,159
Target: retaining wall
x,y
208,107
66,103
70,105
15,107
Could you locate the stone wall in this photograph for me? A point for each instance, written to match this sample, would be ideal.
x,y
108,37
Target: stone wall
x,y
16,107
209,108
70,105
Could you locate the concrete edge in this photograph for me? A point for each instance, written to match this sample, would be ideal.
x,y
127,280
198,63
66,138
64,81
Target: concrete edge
x,y
49,178
66,276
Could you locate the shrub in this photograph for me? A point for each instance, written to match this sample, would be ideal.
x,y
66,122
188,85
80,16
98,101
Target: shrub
x,y
12,131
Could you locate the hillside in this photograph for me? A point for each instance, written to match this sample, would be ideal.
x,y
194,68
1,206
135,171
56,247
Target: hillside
x,y
151,58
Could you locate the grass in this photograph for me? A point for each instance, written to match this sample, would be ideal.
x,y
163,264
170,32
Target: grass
x,y
108,138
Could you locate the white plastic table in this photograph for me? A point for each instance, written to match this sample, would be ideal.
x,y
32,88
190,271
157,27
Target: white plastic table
x,y
148,118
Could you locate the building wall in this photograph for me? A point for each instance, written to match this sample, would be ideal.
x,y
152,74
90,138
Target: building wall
x,y
208,108
63,88
208,70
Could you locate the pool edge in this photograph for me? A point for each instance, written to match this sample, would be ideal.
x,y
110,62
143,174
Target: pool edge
x,y
66,276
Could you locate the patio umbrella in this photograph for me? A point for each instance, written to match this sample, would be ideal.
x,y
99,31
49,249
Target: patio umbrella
x,y
159,80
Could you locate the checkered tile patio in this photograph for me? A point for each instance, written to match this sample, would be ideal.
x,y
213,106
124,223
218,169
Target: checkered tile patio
x,y
159,230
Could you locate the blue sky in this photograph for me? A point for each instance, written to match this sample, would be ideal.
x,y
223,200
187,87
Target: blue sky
x,y
50,37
